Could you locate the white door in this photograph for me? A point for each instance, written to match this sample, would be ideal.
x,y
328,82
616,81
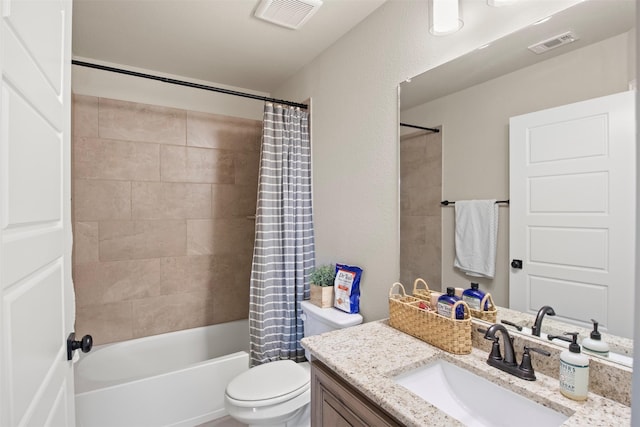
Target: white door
x,y
572,211
37,305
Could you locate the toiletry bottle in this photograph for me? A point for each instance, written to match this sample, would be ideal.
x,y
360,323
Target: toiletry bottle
x,y
594,344
446,302
473,296
574,371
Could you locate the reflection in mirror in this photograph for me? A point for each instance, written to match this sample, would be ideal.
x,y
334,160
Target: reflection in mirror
x,y
471,100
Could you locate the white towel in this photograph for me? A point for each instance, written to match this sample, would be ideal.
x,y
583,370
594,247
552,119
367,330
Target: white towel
x,y
476,237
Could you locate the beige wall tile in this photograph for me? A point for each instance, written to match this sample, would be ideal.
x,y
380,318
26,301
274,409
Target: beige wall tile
x,y
231,302
162,314
219,236
421,213
85,116
121,240
96,158
217,131
85,242
247,168
223,200
230,201
165,200
189,164
174,274
141,122
105,323
106,282
205,271
101,200
136,186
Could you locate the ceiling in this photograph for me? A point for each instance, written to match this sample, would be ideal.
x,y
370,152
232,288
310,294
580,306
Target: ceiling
x,y
213,40
591,21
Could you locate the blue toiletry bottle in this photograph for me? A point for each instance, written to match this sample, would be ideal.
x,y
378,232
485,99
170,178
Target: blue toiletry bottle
x,y
446,302
473,296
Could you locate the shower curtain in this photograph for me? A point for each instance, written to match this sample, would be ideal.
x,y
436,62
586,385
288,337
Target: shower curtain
x,y
284,251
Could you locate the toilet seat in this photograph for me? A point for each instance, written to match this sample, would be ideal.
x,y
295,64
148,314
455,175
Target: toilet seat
x,y
268,384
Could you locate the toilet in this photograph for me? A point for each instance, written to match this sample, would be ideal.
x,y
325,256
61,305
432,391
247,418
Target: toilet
x,y
278,394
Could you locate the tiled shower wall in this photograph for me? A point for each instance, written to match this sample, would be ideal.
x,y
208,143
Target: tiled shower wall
x,y
420,211
162,200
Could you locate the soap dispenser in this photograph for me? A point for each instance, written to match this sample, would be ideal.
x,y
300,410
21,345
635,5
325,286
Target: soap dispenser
x,y
574,371
594,343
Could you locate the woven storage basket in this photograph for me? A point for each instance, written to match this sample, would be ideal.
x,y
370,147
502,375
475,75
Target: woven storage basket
x,y
448,334
490,315
425,293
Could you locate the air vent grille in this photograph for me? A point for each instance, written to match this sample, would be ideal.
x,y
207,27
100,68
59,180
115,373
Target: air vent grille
x,y
287,13
554,42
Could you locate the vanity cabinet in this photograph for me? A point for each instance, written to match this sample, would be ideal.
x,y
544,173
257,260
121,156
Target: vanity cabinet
x,y
334,403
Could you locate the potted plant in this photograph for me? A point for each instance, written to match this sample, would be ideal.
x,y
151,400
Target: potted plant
x,y
321,281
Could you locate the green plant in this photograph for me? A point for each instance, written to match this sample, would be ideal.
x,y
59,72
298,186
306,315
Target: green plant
x,y
323,275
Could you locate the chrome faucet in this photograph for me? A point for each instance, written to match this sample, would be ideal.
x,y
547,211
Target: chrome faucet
x,y
537,325
508,363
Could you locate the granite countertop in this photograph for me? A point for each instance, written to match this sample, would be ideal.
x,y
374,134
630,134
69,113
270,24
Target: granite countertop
x,y
368,356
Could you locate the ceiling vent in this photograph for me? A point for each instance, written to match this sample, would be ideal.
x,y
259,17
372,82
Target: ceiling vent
x,y
554,42
287,13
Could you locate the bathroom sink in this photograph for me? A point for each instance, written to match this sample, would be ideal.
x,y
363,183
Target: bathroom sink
x,y
473,400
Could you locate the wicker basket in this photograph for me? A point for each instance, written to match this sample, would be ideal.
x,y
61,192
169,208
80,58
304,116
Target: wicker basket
x,y
489,315
448,334
425,293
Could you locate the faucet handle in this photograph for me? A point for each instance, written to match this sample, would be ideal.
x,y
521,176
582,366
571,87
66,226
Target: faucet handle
x,y
558,337
525,365
507,322
537,350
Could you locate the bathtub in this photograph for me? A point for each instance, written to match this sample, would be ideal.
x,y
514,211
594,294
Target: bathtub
x,y
176,379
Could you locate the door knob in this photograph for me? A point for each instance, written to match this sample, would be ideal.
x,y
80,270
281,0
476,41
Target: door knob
x,y
516,263
85,344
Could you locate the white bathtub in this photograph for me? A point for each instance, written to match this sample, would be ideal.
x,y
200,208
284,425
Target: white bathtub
x,y
174,379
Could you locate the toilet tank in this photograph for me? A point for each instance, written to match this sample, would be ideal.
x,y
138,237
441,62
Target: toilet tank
x,y
319,320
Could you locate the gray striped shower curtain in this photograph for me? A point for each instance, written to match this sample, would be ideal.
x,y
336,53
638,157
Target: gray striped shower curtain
x,y
284,251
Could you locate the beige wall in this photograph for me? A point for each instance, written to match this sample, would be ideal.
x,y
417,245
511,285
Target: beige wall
x,y
161,196
353,86
420,212
475,125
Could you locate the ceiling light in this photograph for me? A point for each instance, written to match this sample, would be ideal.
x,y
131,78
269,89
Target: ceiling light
x,y
444,17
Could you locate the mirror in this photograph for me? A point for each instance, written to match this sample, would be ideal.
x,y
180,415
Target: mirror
x,y
470,99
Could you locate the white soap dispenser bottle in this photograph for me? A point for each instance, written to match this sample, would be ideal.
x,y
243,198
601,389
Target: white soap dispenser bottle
x,y
574,371
594,343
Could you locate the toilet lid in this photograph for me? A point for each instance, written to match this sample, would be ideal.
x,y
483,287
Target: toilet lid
x,y
269,381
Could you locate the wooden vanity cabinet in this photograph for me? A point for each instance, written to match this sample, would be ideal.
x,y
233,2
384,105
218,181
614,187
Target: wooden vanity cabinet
x,y
334,403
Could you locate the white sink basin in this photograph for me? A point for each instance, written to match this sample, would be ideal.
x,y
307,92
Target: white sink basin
x,y
473,400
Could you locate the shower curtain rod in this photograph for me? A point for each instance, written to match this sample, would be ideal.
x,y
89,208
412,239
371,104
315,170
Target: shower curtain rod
x,y
419,127
188,84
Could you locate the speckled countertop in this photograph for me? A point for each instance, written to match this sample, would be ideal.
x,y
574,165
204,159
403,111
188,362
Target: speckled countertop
x,y
368,356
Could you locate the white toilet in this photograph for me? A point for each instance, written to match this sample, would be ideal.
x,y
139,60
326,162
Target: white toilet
x,y
278,394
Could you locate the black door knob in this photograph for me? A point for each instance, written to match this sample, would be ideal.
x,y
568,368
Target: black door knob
x,y
516,263
85,344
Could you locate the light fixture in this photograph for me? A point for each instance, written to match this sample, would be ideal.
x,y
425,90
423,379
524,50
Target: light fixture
x,y
444,17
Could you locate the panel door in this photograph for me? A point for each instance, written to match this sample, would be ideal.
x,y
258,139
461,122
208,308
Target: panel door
x,y
572,192
37,305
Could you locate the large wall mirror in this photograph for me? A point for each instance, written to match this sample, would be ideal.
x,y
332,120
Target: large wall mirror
x,y
470,100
